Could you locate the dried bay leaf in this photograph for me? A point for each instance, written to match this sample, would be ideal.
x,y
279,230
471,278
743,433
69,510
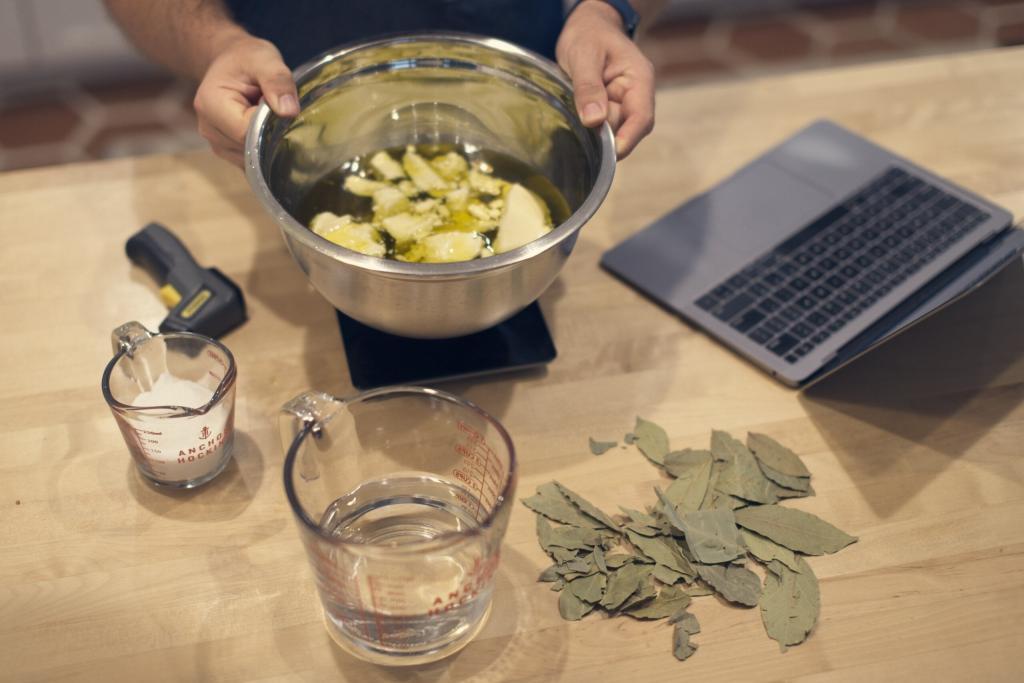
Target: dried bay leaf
x,y
795,529
616,560
686,620
802,484
549,575
767,550
550,502
691,484
790,604
784,493
642,595
740,474
573,538
662,551
776,456
682,648
589,588
575,566
601,447
571,607
587,508
666,575
735,584
666,603
561,555
652,440
679,463
699,590
599,560
543,532
622,583
712,535
724,501
641,518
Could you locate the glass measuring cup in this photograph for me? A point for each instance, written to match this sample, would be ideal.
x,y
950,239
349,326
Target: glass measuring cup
x,y
173,396
402,496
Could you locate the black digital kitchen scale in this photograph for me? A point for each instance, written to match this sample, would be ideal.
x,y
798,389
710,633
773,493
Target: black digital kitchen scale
x,y
377,359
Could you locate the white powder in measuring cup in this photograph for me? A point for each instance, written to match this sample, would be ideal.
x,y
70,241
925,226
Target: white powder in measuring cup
x,y
184,448
169,390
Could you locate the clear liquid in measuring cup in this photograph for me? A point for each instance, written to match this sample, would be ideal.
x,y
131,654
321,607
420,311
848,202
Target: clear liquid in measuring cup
x,y
425,602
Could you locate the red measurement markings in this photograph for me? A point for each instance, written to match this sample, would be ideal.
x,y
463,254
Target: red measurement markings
x,y
477,579
480,470
217,359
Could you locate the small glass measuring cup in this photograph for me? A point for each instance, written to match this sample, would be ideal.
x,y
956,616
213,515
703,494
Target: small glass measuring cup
x,y
402,496
146,384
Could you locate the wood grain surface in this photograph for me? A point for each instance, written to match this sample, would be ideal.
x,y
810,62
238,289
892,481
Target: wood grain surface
x,y
917,448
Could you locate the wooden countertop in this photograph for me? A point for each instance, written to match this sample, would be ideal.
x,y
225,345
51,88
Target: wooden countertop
x,y
917,448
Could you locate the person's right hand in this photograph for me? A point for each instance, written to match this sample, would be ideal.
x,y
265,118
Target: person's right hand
x,y
245,70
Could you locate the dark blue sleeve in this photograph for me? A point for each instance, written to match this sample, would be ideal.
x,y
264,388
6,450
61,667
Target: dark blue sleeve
x,y
302,29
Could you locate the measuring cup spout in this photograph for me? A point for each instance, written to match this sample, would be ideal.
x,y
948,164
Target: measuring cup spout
x,y
306,415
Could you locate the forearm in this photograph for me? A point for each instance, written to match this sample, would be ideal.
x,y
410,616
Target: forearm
x,y
183,35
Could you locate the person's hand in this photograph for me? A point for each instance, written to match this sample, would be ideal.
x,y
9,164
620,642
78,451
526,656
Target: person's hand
x,y
612,79
243,71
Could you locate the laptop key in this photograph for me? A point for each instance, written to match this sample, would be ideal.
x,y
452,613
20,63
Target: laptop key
x,y
813,273
832,307
760,335
734,306
817,318
785,294
774,325
781,345
835,282
748,320
802,330
792,312
806,303
737,281
757,289
722,291
821,292
769,305
707,302
799,284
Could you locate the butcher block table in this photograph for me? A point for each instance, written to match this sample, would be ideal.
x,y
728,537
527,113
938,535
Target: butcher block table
x,y
918,448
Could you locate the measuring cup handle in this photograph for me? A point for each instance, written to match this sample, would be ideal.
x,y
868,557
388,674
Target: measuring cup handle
x,y
126,337
305,415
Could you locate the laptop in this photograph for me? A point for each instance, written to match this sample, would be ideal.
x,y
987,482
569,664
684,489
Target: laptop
x,y
817,252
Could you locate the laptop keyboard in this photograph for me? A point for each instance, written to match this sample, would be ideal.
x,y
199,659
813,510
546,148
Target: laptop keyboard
x,y
812,285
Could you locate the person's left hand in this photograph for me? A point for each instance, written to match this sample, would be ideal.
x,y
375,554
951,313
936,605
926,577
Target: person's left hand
x,y
612,79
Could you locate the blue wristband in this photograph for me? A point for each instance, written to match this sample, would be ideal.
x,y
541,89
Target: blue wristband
x,y
630,18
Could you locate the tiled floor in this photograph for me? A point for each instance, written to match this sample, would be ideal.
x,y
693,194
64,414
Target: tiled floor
x,y
73,123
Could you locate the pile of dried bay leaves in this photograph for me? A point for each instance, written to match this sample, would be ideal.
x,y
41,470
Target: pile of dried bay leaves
x,y
694,540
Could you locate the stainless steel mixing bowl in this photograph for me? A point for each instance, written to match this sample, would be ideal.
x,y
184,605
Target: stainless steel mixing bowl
x,y
433,89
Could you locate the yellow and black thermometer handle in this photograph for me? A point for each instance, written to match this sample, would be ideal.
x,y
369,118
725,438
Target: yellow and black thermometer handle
x,y
201,300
